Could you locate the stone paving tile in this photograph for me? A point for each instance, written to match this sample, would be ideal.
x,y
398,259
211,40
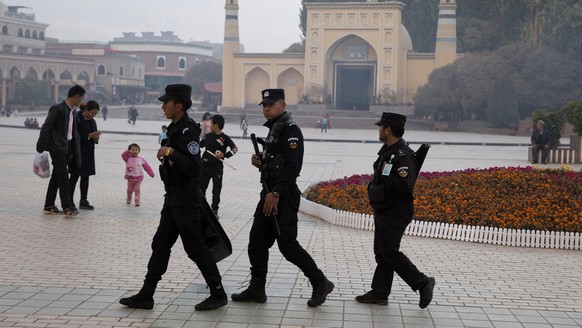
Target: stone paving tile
x,y
82,266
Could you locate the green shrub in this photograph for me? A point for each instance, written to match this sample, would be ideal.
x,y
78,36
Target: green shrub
x,y
573,113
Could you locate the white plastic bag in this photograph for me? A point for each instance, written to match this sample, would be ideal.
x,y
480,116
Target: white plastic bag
x,y
40,165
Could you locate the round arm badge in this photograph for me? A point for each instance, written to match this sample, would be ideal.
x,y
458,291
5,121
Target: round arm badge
x,y
403,171
293,142
194,148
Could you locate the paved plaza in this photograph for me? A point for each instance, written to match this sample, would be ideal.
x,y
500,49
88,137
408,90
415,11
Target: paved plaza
x,y
59,272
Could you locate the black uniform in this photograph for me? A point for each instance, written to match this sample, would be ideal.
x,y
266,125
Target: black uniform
x,y
282,161
391,195
212,168
540,139
85,127
180,214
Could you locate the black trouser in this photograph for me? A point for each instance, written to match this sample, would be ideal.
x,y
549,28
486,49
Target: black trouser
x,y
59,181
535,153
180,217
84,185
263,235
212,171
390,225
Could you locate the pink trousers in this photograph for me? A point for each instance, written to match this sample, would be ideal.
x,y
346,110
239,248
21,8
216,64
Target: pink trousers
x,y
133,187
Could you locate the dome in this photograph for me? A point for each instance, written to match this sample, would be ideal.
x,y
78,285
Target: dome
x,y
405,40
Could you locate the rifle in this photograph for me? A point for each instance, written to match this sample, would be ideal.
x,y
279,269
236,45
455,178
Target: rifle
x,y
264,181
420,156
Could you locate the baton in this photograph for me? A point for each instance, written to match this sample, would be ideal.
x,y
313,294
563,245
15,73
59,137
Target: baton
x,y
220,159
263,180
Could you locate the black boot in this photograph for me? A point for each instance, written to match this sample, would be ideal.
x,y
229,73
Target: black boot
x,y
426,293
217,299
373,297
254,293
321,288
142,300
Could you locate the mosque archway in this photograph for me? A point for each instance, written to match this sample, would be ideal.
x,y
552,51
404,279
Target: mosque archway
x,y
351,65
255,81
292,81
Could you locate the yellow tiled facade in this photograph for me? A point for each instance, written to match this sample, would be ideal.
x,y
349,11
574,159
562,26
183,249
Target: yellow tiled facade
x,y
355,54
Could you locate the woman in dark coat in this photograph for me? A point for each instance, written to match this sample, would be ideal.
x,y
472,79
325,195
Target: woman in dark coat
x,y
89,136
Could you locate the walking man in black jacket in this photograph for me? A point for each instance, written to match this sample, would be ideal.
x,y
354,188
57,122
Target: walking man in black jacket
x,y
60,138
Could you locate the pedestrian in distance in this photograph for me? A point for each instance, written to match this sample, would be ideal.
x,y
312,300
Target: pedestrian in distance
x,y
163,135
243,118
89,137
60,138
245,129
540,141
323,124
391,194
206,124
134,167
275,217
132,115
104,112
181,212
218,146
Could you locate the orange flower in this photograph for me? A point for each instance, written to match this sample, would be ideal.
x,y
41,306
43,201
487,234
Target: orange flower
x,y
515,198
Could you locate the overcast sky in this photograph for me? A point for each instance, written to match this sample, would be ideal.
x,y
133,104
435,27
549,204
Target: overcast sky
x,y
265,25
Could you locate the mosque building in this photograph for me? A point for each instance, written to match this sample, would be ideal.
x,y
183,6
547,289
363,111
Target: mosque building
x,y
357,54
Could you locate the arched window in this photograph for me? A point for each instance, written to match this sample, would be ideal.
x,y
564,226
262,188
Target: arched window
x,y
34,35
121,70
41,36
182,63
5,30
27,34
20,32
101,70
161,62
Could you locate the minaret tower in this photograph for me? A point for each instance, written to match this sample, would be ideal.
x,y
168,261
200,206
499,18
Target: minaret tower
x,y
231,45
446,38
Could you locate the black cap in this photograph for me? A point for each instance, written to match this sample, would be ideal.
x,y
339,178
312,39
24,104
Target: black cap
x,y
271,96
177,91
392,119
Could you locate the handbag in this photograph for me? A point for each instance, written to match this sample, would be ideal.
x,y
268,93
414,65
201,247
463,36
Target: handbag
x,y
40,165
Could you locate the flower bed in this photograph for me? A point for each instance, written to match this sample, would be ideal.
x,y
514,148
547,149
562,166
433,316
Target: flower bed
x,y
512,198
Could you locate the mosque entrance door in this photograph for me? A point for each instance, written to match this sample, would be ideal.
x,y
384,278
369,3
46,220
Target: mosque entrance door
x,y
354,86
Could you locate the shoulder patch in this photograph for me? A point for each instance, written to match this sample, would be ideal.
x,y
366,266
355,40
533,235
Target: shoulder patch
x,y
193,148
185,130
293,142
403,171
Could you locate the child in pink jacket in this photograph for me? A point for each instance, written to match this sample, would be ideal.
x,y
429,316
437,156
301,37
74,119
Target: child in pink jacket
x,y
134,166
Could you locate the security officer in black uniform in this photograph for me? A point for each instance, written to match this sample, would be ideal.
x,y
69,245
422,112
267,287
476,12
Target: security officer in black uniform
x,y
180,216
281,163
391,196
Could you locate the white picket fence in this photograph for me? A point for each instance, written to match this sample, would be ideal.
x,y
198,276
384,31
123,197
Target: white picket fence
x,y
476,234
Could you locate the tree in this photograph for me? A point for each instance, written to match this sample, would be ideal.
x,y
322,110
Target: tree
x,y
420,19
573,113
502,104
202,72
439,96
297,47
540,78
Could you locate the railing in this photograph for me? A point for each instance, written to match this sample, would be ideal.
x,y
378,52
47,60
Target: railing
x,y
476,234
571,155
